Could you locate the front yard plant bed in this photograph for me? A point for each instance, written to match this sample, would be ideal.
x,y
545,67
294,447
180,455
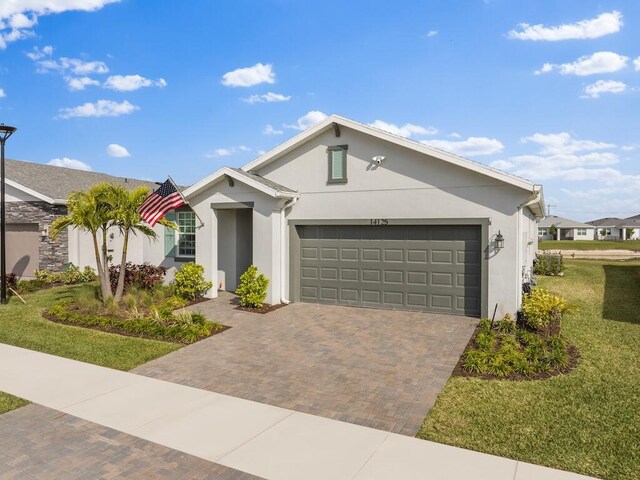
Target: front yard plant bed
x,y
266,307
182,327
510,352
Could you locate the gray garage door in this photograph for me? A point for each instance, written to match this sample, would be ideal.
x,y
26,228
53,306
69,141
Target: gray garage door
x,y
22,248
413,267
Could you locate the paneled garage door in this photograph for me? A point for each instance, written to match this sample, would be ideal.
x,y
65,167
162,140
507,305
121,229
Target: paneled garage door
x,y
409,267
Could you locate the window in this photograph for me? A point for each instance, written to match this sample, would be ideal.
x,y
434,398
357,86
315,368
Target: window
x,y
337,164
581,232
187,234
605,232
542,232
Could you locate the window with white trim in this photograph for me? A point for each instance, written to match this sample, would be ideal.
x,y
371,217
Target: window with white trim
x,y
581,232
542,231
186,237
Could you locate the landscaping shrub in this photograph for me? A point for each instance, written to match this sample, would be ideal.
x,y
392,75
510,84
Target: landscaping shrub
x,y
29,286
143,276
548,264
543,309
72,275
12,280
183,327
47,277
507,349
253,288
190,283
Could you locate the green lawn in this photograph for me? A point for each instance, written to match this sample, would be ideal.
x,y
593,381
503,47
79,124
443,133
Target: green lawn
x,y
588,245
587,421
23,326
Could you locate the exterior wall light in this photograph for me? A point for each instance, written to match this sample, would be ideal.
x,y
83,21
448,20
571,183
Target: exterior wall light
x,y
499,241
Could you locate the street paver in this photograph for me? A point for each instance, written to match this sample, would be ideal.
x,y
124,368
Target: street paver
x,y
377,368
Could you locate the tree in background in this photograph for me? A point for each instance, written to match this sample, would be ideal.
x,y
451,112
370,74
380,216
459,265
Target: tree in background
x,y
553,231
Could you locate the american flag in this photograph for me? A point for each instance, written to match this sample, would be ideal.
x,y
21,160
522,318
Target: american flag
x,y
165,198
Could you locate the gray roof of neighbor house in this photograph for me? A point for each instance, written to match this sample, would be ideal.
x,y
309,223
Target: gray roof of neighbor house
x,y
264,181
57,183
630,222
605,222
562,222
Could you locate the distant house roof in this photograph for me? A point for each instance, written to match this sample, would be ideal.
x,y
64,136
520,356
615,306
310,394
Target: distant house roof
x,y
631,222
562,222
54,184
605,222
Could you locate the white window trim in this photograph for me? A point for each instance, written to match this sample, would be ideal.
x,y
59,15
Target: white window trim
x,y
178,234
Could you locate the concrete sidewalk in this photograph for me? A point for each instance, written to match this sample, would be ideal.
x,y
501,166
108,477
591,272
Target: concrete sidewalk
x,y
263,440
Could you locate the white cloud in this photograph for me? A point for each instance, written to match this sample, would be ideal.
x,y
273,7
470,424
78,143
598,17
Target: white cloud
x,y
69,163
39,53
595,89
636,64
455,135
471,147
308,120
71,65
432,33
249,76
226,152
118,151
2,93
407,130
599,62
268,97
80,83
9,8
603,24
630,148
101,108
128,83
564,143
269,130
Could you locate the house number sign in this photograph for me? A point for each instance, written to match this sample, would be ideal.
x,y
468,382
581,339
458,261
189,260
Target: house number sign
x,y
379,221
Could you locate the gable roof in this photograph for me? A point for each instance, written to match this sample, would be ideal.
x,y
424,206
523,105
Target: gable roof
x,y
605,222
253,180
562,222
54,184
336,120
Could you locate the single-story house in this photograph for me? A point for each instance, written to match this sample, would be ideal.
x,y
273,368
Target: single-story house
x,y
348,214
36,194
611,228
565,229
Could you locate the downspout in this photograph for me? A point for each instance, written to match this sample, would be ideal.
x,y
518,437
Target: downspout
x,y
283,248
533,198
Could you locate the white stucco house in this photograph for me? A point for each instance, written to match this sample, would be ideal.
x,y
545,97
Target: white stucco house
x,y
611,228
565,229
345,213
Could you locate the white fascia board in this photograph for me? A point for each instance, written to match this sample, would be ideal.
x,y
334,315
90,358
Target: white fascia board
x,y
31,192
226,171
389,137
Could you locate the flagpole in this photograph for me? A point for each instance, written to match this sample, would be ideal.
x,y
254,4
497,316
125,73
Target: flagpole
x,y
185,200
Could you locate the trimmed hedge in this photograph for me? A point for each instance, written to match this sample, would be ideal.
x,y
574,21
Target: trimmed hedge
x,y
548,264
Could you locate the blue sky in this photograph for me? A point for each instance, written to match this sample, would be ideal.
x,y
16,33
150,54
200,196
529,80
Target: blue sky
x,y
548,90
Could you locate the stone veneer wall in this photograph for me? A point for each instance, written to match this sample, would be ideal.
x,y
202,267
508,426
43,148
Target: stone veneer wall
x,y
54,254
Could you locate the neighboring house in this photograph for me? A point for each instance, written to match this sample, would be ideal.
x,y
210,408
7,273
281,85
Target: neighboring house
x,y
348,214
612,228
36,194
565,229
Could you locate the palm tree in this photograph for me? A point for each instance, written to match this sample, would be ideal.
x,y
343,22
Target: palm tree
x,y
124,215
90,212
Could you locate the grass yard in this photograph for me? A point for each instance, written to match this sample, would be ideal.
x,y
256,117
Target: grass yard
x,y
587,421
588,245
23,326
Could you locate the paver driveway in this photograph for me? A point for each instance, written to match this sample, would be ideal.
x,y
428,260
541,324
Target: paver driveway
x,y
377,368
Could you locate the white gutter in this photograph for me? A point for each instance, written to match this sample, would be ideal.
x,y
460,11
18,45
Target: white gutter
x,y
283,248
533,198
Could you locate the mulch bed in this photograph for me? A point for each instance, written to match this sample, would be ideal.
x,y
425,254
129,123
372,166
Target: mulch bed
x,y
119,331
266,308
459,371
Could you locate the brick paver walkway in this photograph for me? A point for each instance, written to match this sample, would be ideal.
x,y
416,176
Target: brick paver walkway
x,y
39,443
377,368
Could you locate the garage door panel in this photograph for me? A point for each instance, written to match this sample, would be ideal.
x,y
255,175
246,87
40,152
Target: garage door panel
x,y
418,267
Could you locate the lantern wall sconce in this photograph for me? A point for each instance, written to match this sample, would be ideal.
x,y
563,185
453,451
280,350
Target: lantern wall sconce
x,y
499,241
